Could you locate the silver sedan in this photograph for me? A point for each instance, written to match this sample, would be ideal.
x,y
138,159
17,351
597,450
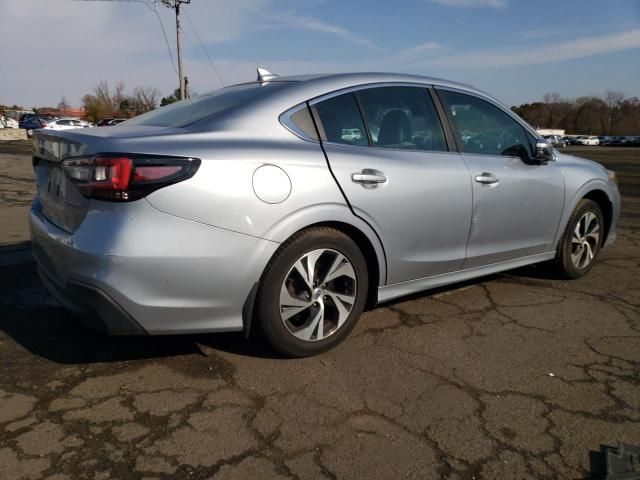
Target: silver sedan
x,y
288,205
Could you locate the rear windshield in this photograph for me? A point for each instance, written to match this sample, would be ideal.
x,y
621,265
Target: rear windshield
x,y
186,112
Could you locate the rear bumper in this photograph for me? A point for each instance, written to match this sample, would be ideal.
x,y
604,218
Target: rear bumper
x,y
130,269
97,309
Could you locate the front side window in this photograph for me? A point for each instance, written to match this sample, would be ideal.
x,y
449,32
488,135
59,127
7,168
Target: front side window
x,y
484,128
402,117
341,120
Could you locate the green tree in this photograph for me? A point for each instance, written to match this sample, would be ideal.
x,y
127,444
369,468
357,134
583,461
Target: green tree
x,y
171,98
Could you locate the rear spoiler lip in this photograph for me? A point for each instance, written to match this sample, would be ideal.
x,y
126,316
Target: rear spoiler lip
x,y
54,147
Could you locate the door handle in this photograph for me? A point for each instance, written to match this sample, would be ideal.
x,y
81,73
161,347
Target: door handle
x,y
487,178
368,177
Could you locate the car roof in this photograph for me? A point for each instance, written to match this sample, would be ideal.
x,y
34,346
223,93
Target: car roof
x,y
304,88
329,82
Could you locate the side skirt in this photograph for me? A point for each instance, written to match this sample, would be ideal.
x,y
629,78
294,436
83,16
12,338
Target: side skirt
x,y
396,290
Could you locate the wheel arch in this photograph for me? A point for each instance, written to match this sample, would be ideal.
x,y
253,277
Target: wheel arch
x,y
368,243
606,206
598,191
368,251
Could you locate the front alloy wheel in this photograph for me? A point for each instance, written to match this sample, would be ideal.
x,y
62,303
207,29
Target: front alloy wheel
x,y
580,244
312,292
585,240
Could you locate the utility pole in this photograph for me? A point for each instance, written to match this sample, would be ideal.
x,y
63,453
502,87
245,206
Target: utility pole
x,y
175,4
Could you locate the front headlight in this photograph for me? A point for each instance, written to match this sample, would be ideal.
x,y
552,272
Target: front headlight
x,y
612,176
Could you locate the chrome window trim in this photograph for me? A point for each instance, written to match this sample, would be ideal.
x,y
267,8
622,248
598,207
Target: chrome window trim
x,y
366,86
356,88
285,117
499,106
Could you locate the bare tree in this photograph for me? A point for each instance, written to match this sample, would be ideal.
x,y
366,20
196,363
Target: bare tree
x,y
145,99
105,102
613,99
611,114
553,97
63,106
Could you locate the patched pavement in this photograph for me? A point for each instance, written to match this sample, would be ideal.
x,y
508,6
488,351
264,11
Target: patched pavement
x,y
512,376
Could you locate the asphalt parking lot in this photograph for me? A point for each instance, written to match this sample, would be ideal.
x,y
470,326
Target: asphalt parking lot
x,y
513,376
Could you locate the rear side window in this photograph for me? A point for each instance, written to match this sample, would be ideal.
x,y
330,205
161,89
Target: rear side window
x,y
186,112
486,129
402,117
341,120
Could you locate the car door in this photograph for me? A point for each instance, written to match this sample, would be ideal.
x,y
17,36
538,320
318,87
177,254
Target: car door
x,y
517,202
387,149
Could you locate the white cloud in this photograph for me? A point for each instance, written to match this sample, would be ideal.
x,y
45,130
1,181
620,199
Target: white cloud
x,y
53,48
69,46
557,52
422,49
537,33
472,3
313,25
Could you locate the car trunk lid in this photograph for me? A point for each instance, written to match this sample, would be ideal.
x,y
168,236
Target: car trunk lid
x,y
61,201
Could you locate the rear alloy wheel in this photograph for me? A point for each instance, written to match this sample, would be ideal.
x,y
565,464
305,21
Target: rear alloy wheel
x,y
29,133
581,242
312,292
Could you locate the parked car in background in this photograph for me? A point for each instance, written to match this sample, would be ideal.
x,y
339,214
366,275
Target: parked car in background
x,y
66,124
110,122
34,123
291,205
631,142
589,140
26,116
6,122
557,141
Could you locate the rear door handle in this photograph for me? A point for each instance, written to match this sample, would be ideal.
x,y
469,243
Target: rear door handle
x,y
368,177
487,178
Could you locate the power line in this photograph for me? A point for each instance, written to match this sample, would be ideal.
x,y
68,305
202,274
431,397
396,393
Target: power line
x,y
164,34
195,51
193,48
145,2
151,4
215,69
175,5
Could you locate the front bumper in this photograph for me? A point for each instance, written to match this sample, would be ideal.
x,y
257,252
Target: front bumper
x,y
131,269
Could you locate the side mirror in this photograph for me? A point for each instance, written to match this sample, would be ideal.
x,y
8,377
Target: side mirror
x,y
544,152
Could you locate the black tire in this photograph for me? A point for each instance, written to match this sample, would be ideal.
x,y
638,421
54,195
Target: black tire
x,y
279,270
564,265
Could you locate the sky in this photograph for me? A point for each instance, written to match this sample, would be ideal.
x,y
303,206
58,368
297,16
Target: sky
x,y
516,50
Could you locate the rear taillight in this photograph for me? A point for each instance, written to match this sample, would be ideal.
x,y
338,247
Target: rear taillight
x,y
124,178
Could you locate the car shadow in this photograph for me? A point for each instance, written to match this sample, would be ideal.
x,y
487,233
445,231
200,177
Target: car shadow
x,y
33,319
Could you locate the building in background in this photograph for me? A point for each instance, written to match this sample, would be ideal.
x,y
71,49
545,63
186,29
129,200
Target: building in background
x,y
545,132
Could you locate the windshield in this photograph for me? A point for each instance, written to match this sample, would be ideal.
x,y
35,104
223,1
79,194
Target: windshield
x,y
186,112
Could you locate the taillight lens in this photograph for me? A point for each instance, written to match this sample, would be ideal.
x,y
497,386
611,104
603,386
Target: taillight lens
x,y
124,178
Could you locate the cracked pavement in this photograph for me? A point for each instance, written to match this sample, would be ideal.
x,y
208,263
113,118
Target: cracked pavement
x,y
511,376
